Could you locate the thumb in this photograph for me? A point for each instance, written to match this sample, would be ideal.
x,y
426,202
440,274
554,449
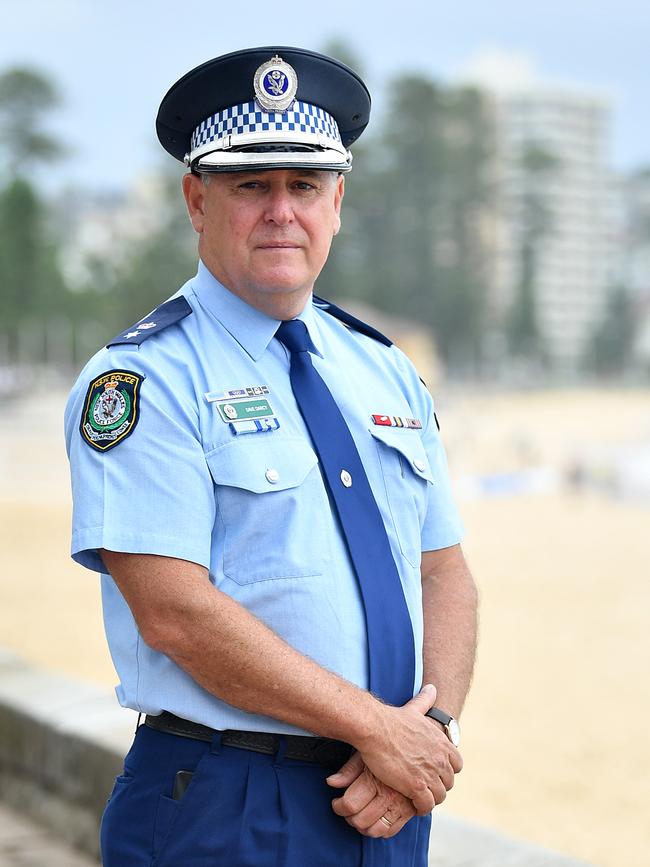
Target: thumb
x,y
424,699
348,773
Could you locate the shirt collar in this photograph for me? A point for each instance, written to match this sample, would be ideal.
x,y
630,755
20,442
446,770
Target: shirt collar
x,y
251,328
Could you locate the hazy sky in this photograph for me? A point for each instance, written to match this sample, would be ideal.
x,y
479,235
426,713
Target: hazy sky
x,y
115,60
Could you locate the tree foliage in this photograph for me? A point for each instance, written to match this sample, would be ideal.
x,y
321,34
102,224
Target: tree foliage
x,y
26,96
31,285
535,223
30,279
610,350
148,269
412,232
415,239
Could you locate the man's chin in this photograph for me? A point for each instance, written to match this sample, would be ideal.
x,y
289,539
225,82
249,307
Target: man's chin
x,y
281,281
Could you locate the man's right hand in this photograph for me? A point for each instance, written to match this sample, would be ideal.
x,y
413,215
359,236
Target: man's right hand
x,y
411,754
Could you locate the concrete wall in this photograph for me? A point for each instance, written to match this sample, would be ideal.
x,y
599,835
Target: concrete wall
x,y
62,743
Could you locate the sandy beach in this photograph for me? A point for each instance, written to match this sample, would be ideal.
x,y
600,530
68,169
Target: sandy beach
x,y
555,734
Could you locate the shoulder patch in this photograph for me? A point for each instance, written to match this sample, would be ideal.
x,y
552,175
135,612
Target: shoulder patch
x,y
352,321
111,409
166,314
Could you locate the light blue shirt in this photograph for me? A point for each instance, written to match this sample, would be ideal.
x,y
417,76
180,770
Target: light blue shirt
x,y
252,508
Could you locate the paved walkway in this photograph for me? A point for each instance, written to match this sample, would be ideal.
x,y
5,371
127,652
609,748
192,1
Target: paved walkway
x,y
25,844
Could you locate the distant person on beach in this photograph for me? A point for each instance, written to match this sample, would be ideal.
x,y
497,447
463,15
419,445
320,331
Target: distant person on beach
x,y
259,479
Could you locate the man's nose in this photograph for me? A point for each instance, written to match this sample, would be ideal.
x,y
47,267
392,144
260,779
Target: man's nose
x,y
279,208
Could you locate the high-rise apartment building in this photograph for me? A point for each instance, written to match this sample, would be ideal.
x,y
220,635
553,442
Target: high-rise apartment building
x,y
633,273
556,213
557,204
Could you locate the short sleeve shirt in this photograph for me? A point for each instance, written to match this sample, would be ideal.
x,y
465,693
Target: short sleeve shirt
x,y
252,507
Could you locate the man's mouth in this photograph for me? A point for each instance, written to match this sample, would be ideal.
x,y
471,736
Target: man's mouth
x,y
278,245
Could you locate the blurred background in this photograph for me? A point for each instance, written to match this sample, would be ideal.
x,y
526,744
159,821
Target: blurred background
x,y
497,226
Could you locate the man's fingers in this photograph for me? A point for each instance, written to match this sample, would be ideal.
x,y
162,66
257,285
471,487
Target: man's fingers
x,y
348,773
438,791
386,803
357,796
447,777
368,816
380,829
423,800
456,760
424,699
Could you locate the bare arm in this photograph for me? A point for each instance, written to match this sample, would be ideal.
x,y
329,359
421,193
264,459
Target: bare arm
x,y
229,651
449,600
238,658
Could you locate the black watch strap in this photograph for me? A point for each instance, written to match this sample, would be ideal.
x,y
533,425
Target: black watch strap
x,y
439,715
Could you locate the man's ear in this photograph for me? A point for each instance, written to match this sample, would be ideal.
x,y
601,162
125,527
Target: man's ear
x,y
194,192
338,199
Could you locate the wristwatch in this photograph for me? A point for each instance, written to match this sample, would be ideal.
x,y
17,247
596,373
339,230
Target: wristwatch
x,y
450,725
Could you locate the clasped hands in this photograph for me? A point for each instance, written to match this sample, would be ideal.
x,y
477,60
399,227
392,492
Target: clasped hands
x,y
407,769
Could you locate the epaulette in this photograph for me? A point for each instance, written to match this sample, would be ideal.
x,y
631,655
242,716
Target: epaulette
x,y
351,320
163,316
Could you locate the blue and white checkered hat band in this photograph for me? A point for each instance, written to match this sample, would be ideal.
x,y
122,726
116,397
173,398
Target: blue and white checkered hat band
x,y
301,122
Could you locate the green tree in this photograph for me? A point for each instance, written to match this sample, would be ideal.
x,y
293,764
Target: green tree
x,y
536,223
28,271
411,240
346,273
26,96
609,351
31,285
341,49
148,270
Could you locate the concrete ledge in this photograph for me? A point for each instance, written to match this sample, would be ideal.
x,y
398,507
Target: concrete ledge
x,y
25,843
455,843
62,742
61,745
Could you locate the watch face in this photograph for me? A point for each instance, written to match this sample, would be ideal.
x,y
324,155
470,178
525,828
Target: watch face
x,y
453,730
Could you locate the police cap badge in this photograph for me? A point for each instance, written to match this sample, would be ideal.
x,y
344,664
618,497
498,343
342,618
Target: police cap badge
x,y
275,107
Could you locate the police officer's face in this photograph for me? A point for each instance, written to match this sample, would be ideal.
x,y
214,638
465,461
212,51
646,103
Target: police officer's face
x,y
266,234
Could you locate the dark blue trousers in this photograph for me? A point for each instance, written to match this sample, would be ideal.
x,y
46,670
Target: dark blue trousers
x,y
242,809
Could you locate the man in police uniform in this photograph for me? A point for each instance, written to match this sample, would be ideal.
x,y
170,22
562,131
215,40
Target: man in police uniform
x,y
259,479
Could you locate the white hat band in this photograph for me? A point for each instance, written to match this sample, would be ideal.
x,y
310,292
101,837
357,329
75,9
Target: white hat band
x,y
233,160
247,124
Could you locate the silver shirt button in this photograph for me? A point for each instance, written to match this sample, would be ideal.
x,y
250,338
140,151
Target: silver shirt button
x,y
272,475
346,478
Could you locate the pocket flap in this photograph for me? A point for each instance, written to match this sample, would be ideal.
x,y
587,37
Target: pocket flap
x,y
262,462
409,445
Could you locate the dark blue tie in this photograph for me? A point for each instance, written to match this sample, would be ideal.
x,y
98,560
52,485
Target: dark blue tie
x,y
390,633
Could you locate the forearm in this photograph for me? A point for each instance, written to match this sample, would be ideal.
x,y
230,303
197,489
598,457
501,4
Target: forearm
x,y
235,656
238,658
449,600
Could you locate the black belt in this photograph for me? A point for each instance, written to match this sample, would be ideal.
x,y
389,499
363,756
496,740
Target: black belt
x,y
323,751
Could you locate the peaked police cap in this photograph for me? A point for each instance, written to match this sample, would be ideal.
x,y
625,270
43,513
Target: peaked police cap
x,y
270,107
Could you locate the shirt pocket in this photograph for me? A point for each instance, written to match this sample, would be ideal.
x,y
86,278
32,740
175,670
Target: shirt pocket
x,y
273,508
407,475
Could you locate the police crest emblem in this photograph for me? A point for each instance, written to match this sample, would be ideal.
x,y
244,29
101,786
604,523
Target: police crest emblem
x,y
111,409
276,84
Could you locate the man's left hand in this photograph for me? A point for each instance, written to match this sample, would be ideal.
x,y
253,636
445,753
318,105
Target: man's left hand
x,y
369,805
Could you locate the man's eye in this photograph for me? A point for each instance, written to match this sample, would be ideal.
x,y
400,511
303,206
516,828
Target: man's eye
x,y
305,185
250,185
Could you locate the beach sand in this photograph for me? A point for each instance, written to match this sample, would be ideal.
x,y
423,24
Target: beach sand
x,y
555,730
